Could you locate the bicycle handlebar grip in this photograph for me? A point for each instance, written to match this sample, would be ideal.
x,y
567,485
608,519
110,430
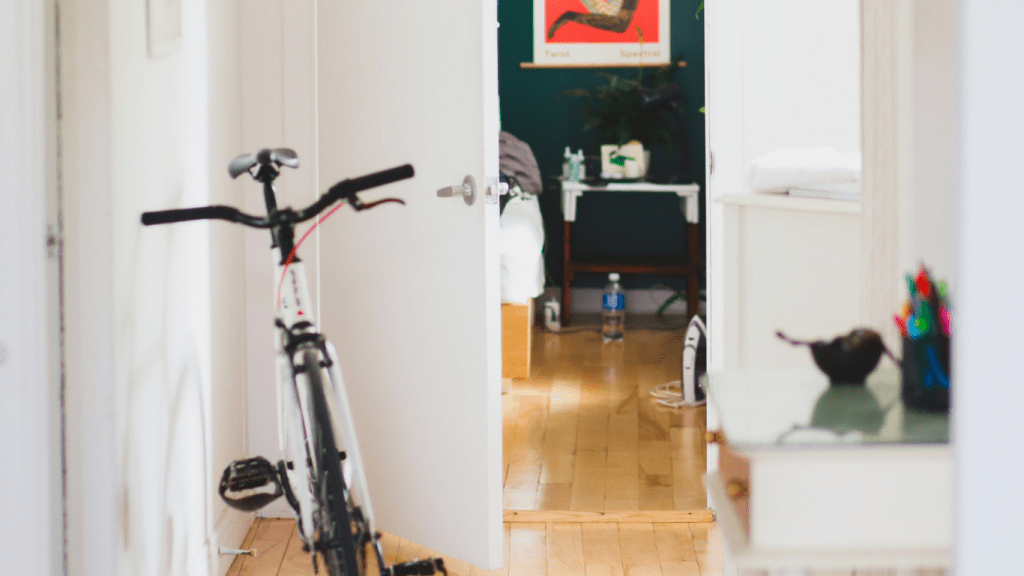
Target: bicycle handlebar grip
x,y
351,186
187,214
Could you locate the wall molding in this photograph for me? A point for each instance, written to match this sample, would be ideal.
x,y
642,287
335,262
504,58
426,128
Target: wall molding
x,y
229,531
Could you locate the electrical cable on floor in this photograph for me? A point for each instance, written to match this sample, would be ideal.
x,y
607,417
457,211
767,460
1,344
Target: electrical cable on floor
x,y
670,394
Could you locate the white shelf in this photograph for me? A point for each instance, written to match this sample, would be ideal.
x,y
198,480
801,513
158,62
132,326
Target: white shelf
x,y
787,202
746,557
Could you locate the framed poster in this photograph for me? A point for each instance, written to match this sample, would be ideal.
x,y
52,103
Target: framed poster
x,y
600,32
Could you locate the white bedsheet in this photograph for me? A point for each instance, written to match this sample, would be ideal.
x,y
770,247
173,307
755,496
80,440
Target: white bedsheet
x,y
522,245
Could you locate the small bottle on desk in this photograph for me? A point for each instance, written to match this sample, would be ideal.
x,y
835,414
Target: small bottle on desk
x,y
613,310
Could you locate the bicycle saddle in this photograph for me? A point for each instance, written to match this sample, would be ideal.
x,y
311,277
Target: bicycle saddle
x,y
279,156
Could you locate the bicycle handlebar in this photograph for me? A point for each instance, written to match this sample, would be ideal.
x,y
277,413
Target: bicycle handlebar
x,y
347,189
344,190
204,213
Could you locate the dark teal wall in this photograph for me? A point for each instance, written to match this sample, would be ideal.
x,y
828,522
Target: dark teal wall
x,y
534,109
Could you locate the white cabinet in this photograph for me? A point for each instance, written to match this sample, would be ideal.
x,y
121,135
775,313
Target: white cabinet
x,y
790,264
821,477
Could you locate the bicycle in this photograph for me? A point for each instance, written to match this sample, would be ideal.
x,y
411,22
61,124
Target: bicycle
x,y
333,520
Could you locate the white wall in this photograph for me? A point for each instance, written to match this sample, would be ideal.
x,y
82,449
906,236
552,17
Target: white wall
x,y
277,110
987,395
143,133
929,213
801,75
30,511
910,194
228,331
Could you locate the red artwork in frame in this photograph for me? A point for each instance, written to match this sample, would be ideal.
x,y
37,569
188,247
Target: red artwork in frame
x,y
601,21
601,32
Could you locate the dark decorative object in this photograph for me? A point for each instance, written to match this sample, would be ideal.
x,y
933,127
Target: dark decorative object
x,y
847,359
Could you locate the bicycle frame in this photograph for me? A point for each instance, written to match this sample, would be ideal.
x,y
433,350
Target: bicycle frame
x,y
295,318
295,310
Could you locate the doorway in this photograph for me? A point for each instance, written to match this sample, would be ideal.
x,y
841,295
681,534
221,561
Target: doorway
x,y
583,433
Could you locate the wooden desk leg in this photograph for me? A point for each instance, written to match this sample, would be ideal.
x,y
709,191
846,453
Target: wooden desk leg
x,y
693,279
567,273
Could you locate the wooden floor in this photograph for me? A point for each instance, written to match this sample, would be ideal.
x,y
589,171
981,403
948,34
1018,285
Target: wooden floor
x,y
584,434
564,549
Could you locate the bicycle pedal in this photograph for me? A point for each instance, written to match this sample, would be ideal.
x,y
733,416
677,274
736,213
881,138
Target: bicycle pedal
x,y
248,474
419,568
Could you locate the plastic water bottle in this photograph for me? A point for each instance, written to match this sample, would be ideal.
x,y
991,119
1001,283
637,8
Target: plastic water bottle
x,y
575,165
613,313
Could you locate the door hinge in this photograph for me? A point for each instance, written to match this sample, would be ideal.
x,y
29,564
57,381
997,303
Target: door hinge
x,y
494,189
711,161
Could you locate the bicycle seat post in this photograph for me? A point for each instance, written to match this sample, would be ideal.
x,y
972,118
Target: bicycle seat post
x,y
266,174
283,233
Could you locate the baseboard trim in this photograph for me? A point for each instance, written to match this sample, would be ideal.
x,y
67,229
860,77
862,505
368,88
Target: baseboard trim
x,y
620,517
638,301
229,531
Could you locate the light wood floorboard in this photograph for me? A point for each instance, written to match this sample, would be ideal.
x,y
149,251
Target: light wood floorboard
x,y
541,549
531,549
584,434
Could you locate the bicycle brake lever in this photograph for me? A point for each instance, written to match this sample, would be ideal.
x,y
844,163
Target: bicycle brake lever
x,y
359,206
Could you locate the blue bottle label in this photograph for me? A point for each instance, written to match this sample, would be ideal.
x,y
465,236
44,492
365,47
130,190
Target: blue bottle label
x,y
614,301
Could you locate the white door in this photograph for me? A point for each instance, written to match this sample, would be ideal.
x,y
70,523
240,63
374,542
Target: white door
x,y
410,295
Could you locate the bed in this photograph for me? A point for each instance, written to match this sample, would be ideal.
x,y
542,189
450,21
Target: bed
x,y
522,280
522,254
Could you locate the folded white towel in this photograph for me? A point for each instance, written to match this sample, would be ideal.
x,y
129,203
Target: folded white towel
x,y
830,190
802,168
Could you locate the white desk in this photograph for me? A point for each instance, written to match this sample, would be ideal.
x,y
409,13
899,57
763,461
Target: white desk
x,y
819,478
688,267
689,195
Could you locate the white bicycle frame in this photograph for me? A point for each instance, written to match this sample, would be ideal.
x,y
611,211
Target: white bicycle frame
x,y
295,412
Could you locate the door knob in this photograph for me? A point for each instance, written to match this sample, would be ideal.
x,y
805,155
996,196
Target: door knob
x,y
467,189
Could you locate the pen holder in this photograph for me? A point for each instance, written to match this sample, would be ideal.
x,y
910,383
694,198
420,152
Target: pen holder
x,y
925,373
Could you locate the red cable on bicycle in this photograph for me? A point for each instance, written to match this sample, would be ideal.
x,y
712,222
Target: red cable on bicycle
x,y
291,255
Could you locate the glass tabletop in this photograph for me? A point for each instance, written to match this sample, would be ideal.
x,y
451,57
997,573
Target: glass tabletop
x,y
785,408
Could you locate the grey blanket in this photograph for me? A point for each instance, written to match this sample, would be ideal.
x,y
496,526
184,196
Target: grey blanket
x,y
516,159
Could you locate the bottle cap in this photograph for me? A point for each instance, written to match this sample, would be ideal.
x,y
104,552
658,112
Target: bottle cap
x,y
614,276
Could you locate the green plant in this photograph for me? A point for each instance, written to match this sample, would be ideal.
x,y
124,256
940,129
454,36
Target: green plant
x,y
613,110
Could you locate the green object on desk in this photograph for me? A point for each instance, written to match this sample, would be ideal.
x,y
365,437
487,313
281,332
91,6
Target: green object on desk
x,y
620,160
